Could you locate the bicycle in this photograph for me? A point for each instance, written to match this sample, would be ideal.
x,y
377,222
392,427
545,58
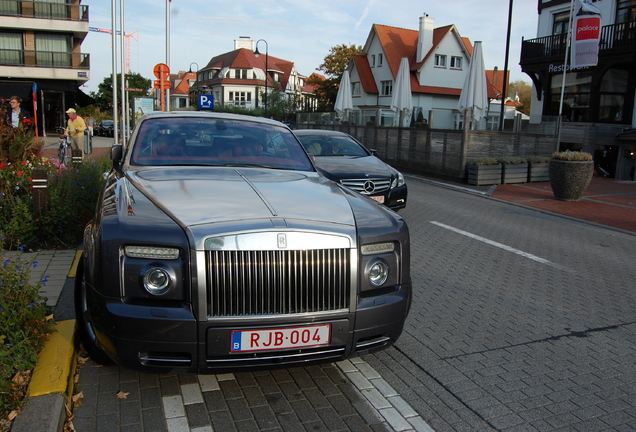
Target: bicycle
x,y
64,152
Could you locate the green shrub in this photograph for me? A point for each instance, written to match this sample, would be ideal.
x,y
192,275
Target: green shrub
x,y
17,226
513,160
572,156
73,194
539,159
24,326
486,161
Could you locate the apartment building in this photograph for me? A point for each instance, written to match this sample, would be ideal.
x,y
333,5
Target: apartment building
x,y
597,106
41,59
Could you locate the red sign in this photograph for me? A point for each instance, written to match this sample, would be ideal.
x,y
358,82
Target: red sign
x,y
586,34
162,71
588,28
161,84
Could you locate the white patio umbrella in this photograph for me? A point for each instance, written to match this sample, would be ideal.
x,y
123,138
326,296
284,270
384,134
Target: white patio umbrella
x,y
474,93
402,99
344,101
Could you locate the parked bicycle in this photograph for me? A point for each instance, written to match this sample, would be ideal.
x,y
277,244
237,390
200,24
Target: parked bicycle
x,y
65,149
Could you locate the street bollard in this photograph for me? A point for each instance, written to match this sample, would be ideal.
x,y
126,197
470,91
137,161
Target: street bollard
x,y
40,192
77,156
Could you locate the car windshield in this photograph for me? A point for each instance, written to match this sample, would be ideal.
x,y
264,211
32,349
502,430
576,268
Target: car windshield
x,y
329,145
217,142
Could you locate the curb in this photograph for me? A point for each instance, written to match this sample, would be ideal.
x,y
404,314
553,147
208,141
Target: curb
x,y
52,382
51,385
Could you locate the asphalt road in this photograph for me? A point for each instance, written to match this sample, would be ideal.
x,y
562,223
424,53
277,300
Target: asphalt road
x,y
521,321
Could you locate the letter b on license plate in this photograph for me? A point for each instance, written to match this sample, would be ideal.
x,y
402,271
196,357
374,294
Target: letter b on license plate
x,y
283,338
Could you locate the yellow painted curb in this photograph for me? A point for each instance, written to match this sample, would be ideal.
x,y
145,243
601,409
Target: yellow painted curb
x,y
73,270
56,364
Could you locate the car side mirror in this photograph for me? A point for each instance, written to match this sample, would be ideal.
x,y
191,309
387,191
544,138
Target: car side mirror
x,y
116,154
374,152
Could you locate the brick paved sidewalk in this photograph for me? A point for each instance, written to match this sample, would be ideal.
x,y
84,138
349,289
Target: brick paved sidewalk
x,y
606,201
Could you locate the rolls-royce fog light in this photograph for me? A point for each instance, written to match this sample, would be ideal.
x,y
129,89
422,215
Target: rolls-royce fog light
x,y
157,281
378,273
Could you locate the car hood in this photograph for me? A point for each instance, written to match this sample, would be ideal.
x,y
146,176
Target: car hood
x,y
234,196
343,167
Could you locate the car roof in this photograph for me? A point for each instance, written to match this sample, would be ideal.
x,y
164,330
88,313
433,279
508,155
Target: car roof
x,y
319,132
209,114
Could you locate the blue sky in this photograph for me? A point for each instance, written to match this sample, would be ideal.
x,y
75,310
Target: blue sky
x,y
301,31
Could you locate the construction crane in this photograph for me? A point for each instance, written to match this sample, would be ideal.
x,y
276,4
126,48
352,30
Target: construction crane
x,y
128,36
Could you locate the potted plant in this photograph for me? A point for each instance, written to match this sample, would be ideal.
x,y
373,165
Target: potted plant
x,y
484,172
570,174
538,169
514,169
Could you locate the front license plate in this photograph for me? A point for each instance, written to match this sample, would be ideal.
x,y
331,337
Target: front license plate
x,y
271,339
379,199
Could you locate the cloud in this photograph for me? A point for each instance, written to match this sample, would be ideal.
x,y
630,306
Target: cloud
x,y
365,13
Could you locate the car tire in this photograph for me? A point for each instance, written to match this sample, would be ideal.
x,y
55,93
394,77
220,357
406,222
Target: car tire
x,y
85,328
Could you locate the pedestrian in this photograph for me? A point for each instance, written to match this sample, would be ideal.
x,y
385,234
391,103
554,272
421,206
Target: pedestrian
x,y
90,123
75,128
16,115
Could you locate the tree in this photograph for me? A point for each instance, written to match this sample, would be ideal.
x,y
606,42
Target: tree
x,y
334,65
104,95
337,60
524,91
325,90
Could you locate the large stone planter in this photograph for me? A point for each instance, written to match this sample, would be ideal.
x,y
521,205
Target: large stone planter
x,y
570,179
514,173
480,175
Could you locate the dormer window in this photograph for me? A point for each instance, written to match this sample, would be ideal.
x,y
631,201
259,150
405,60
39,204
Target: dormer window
x,y
456,62
440,60
379,59
373,60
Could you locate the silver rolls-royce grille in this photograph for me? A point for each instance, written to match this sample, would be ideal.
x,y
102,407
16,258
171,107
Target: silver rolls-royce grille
x,y
367,186
249,283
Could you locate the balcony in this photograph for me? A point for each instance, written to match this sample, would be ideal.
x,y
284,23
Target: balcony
x,y
616,39
43,10
45,65
44,59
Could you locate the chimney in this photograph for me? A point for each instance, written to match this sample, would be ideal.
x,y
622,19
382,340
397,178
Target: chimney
x,y
244,42
425,38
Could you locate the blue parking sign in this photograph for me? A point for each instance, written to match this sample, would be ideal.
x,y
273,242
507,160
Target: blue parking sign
x,y
206,101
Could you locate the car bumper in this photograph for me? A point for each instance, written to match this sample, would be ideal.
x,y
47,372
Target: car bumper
x,y
171,340
395,198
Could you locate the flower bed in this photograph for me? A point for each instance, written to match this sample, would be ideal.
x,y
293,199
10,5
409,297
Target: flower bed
x,y
24,323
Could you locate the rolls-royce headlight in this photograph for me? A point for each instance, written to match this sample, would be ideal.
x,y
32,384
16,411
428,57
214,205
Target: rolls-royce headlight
x,y
378,272
152,252
157,281
377,248
398,180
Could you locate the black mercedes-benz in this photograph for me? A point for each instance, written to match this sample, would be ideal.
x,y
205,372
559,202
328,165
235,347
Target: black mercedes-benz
x,y
217,246
342,158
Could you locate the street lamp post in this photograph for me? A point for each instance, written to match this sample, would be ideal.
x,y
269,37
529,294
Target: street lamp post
x,y
196,90
256,54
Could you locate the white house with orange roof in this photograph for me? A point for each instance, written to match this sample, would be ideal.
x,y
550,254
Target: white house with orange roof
x,y
180,88
438,59
239,78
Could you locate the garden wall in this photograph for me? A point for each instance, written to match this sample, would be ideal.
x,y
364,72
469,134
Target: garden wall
x,y
442,153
